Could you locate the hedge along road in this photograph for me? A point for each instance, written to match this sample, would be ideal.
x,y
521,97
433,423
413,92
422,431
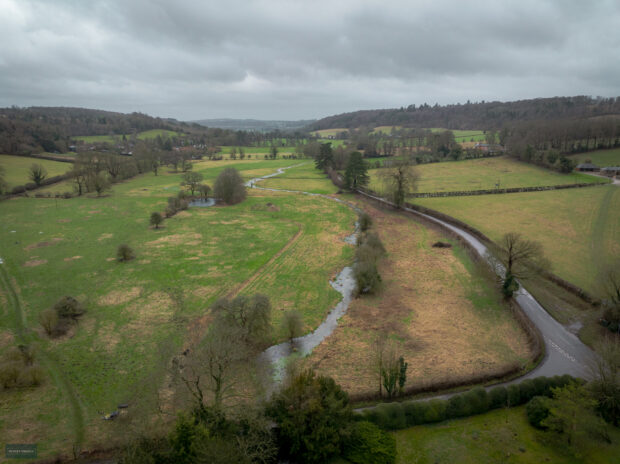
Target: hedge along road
x,y
564,352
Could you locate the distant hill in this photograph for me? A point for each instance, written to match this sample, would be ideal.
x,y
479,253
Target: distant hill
x,y
254,124
34,129
483,115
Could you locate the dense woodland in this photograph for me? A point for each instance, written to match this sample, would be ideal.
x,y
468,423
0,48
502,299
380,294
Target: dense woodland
x,y
483,115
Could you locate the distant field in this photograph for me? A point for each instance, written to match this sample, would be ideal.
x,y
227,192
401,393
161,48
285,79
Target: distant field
x,y
384,129
464,135
133,323
304,177
484,174
17,168
502,436
328,132
150,134
226,149
424,289
579,228
601,158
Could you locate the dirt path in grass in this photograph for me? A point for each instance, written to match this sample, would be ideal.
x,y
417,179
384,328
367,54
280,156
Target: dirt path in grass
x,y
49,362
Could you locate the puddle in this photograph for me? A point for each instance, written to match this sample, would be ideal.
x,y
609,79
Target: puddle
x,y
202,202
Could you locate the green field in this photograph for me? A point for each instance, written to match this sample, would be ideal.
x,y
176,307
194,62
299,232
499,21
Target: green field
x,y
484,174
149,134
16,168
601,158
304,176
328,132
134,318
226,149
464,135
579,228
502,436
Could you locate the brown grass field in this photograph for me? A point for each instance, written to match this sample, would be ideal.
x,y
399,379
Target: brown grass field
x,y
446,318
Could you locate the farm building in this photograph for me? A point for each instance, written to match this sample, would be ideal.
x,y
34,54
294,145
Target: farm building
x,y
611,171
588,167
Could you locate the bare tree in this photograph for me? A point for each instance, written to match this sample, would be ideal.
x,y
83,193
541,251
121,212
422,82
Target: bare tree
x,y
293,324
605,386
399,179
523,259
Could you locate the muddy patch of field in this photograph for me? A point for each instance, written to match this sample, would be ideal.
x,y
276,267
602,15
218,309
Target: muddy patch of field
x,y
73,258
105,237
117,297
35,262
148,313
426,310
52,241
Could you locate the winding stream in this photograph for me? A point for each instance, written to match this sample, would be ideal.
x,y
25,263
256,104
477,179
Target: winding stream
x,y
276,356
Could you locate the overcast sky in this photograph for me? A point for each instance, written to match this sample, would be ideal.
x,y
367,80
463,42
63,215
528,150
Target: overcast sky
x,y
295,59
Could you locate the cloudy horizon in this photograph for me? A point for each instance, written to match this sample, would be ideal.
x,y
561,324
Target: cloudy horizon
x,y
301,60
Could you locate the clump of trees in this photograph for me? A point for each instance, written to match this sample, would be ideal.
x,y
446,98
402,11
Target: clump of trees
x,y
4,186
610,283
229,187
315,423
390,367
19,369
59,318
175,204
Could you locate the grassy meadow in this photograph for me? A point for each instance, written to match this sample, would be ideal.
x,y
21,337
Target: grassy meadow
x,y
578,228
329,132
141,312
446,317
17,168
601,158
484,174
303,176
502,436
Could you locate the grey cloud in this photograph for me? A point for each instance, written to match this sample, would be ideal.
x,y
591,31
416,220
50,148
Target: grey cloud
x,y
299,59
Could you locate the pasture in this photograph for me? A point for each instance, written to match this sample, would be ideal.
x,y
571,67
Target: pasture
x,y
578,228
601,158
329,132
502,436
17,168
141,312
303,176
485,174
446,317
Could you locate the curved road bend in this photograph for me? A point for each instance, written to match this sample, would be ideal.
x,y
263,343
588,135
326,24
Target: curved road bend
x,y
564,352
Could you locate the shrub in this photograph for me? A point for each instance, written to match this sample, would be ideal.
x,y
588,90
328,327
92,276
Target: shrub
x,y
229,187
456,407
68,307
366,276
374,242
537,411
30,376
514,395
9,374
414,412
124,253
367,444
436,411
394,415
476,400
48,319
365,221
67,195
498,397
527,389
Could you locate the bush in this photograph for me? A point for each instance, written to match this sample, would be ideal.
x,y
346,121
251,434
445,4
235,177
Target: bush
x,y
9,374
48,319
537,411
366,276
514,395
367,444
365,221
498,397
393,416
414,412
156,219
124,253
436,411
229,187
69,308
30,376
477,401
